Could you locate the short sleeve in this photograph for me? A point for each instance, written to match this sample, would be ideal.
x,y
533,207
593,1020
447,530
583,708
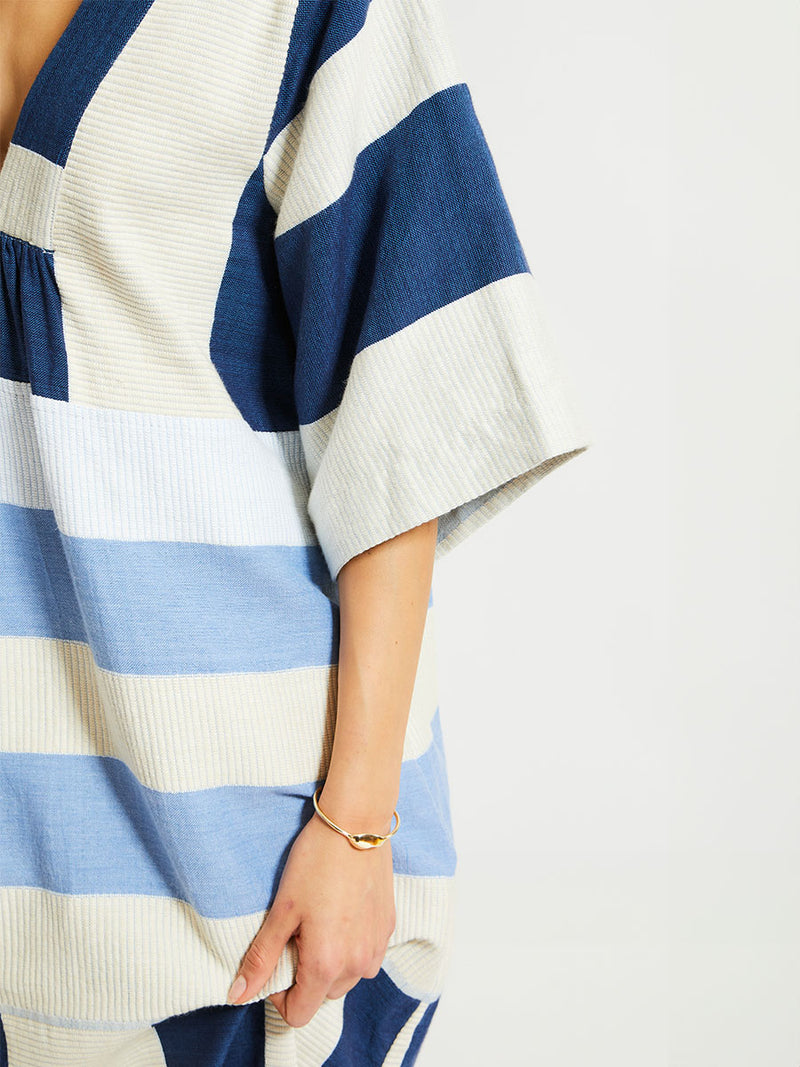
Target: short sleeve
x,y
427,381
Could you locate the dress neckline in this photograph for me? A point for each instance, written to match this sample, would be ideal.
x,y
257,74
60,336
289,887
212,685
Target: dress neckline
x,y
45,73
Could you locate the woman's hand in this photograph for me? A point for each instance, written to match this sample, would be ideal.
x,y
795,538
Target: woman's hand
x,y
338,902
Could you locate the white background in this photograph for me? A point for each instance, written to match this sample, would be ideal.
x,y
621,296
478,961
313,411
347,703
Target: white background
x,y
618,650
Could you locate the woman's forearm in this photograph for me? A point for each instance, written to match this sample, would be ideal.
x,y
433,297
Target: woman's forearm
x,y
383,604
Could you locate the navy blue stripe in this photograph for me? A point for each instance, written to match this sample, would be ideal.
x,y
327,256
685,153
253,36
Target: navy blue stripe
x,y
81,58
32,345
86,824
320,28
3,1046
412,1052
375,1011
166,607
251,344
423,222
224,1035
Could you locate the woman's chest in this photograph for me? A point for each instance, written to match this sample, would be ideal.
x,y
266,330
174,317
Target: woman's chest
x,y
142,135
29,30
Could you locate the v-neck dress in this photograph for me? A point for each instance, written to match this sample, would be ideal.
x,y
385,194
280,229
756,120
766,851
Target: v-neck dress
x,y
262,307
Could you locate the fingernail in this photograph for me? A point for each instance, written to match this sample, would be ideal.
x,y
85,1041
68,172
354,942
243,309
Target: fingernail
x,y
237,989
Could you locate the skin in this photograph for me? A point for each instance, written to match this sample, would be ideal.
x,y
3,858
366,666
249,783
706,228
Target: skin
x,y
28,31
337,901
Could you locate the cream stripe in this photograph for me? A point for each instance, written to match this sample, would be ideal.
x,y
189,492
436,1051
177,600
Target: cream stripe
x,y
182,732
159,198
29,187
304,1046
136,476
280,1039
467,398
400,57
22,480
394,1057
318,1038
114,961
420,969
32,1043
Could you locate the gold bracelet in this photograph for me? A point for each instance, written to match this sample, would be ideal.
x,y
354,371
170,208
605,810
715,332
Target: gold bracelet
x,y
357,840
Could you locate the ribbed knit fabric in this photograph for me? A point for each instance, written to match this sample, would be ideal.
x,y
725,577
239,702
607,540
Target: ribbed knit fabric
x,y
262,306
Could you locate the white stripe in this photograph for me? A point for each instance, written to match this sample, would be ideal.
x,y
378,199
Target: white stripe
x,y
142,232
29,187
115,962
184,732
401,56
138,476
467,399
33,1043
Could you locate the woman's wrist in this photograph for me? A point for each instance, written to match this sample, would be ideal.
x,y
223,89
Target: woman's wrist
x,y
357,808
362,783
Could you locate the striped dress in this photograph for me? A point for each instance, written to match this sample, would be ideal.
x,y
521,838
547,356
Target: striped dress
x,y
262,306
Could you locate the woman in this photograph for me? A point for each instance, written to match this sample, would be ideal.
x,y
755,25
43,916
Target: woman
x,y
269,346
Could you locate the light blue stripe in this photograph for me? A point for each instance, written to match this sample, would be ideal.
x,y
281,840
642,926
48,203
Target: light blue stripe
x,y
37,598
166,607
85,824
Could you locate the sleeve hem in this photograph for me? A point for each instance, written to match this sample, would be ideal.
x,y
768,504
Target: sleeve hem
x,y
438,415
467,506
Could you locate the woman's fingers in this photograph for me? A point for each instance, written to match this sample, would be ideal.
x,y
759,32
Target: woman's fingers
x,y
315,975
262,956
367,967
323,972
339,906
